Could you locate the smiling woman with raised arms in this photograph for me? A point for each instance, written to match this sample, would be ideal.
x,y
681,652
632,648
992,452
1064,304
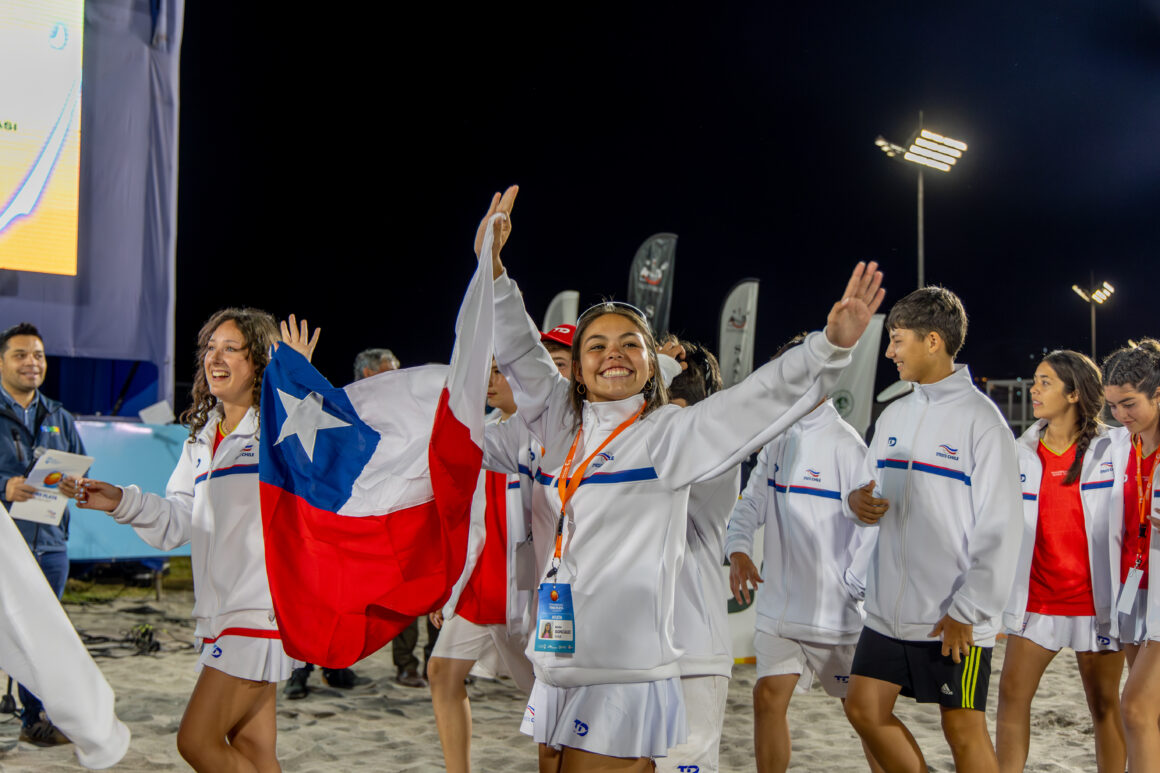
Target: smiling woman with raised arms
x,y
610,507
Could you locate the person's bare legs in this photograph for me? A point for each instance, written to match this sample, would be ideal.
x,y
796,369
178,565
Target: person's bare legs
x,y
550,759
452,710
1141,707
966,733
1023,667
579,761
771,740
1100,672
870,709
873,763
230,725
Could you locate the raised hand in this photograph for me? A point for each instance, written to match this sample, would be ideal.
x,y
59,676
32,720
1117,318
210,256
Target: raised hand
x,y
850,316
502,228
297,337
742,574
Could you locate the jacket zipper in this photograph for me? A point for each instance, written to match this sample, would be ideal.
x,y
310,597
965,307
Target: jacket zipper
x,y
906,518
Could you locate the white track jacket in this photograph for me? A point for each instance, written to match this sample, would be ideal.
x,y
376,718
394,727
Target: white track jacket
x,y
815,558
625,528
945,458
1117,520
1101,490
702,601
213,503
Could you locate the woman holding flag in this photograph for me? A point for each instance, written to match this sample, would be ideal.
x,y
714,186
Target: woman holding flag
x,y
212,501
611,499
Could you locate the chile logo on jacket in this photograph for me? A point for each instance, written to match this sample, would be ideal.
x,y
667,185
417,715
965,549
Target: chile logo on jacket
x,y
946,452
1106,468
601,459
813,476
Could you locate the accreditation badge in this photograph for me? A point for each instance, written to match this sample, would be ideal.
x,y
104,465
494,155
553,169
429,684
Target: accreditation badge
x,y
554,621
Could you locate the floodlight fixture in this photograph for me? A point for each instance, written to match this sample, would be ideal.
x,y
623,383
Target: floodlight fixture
x,y
1099,295
927,150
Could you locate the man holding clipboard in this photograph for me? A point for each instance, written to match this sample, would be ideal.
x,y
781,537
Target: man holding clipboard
x,y
28,421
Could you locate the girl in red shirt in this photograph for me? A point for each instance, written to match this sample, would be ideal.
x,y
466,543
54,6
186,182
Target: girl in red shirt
x,y
1132,390
1063,594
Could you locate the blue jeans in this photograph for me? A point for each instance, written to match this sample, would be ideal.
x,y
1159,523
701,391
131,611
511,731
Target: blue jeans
x,y
55,568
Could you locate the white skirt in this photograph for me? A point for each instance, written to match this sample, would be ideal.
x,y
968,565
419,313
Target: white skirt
x,y
635,719
246,657
1054,632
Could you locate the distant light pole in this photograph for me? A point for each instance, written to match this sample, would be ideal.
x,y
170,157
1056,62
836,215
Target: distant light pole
x,y
1098,295
927,149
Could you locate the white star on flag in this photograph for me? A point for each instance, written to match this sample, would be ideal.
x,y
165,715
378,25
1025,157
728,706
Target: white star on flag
x,y
304,418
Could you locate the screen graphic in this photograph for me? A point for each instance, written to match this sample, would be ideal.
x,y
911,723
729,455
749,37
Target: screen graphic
x,y
40,117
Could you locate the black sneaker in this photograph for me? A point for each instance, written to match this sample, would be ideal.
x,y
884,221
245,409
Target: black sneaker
x,y
43,733
338,677
296,685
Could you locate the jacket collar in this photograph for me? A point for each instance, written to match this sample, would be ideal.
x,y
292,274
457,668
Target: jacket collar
x,y
247,426
824,414
954,386
607,415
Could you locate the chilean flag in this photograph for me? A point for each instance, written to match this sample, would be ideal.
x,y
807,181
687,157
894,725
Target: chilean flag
x,y
366,490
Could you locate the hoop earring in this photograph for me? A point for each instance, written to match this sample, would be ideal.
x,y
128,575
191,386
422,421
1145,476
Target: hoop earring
x,y
581,389
650,386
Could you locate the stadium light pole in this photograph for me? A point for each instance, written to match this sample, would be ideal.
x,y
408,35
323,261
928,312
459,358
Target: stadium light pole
x,y
1093,297
927,150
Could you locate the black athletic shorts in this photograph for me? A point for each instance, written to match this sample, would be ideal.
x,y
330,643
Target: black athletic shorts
x,y
924,673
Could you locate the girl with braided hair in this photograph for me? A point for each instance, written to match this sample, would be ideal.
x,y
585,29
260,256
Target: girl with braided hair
x,y
1064,594
1132,391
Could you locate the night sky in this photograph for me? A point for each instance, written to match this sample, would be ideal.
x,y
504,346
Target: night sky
x,y
337,167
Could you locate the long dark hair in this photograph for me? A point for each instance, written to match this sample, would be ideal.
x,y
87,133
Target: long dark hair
x,y
259,331
1081,377
655,394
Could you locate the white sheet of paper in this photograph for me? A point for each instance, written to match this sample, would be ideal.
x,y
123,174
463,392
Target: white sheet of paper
x,y
48,504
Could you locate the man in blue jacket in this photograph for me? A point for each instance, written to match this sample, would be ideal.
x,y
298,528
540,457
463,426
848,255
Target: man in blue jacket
x,y
28,421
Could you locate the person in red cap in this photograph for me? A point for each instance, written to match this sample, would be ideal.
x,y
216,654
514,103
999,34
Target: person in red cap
x,y
558,342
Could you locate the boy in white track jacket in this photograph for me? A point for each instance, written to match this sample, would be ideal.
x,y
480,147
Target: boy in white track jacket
x,y
815,564
945,459
941,483
809,610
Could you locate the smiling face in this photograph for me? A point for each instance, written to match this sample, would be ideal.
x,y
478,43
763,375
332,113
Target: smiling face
x,y
22,365
614,361
1135,410
1049,396
228,368
918,358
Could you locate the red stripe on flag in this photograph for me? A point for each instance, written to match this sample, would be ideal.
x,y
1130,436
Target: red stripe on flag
x,y
485,595
250,633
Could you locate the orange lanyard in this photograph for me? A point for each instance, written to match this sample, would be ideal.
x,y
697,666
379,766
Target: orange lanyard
x,y
1142,496
568,485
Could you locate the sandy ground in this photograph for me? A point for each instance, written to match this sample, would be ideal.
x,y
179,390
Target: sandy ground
x,y
379,725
